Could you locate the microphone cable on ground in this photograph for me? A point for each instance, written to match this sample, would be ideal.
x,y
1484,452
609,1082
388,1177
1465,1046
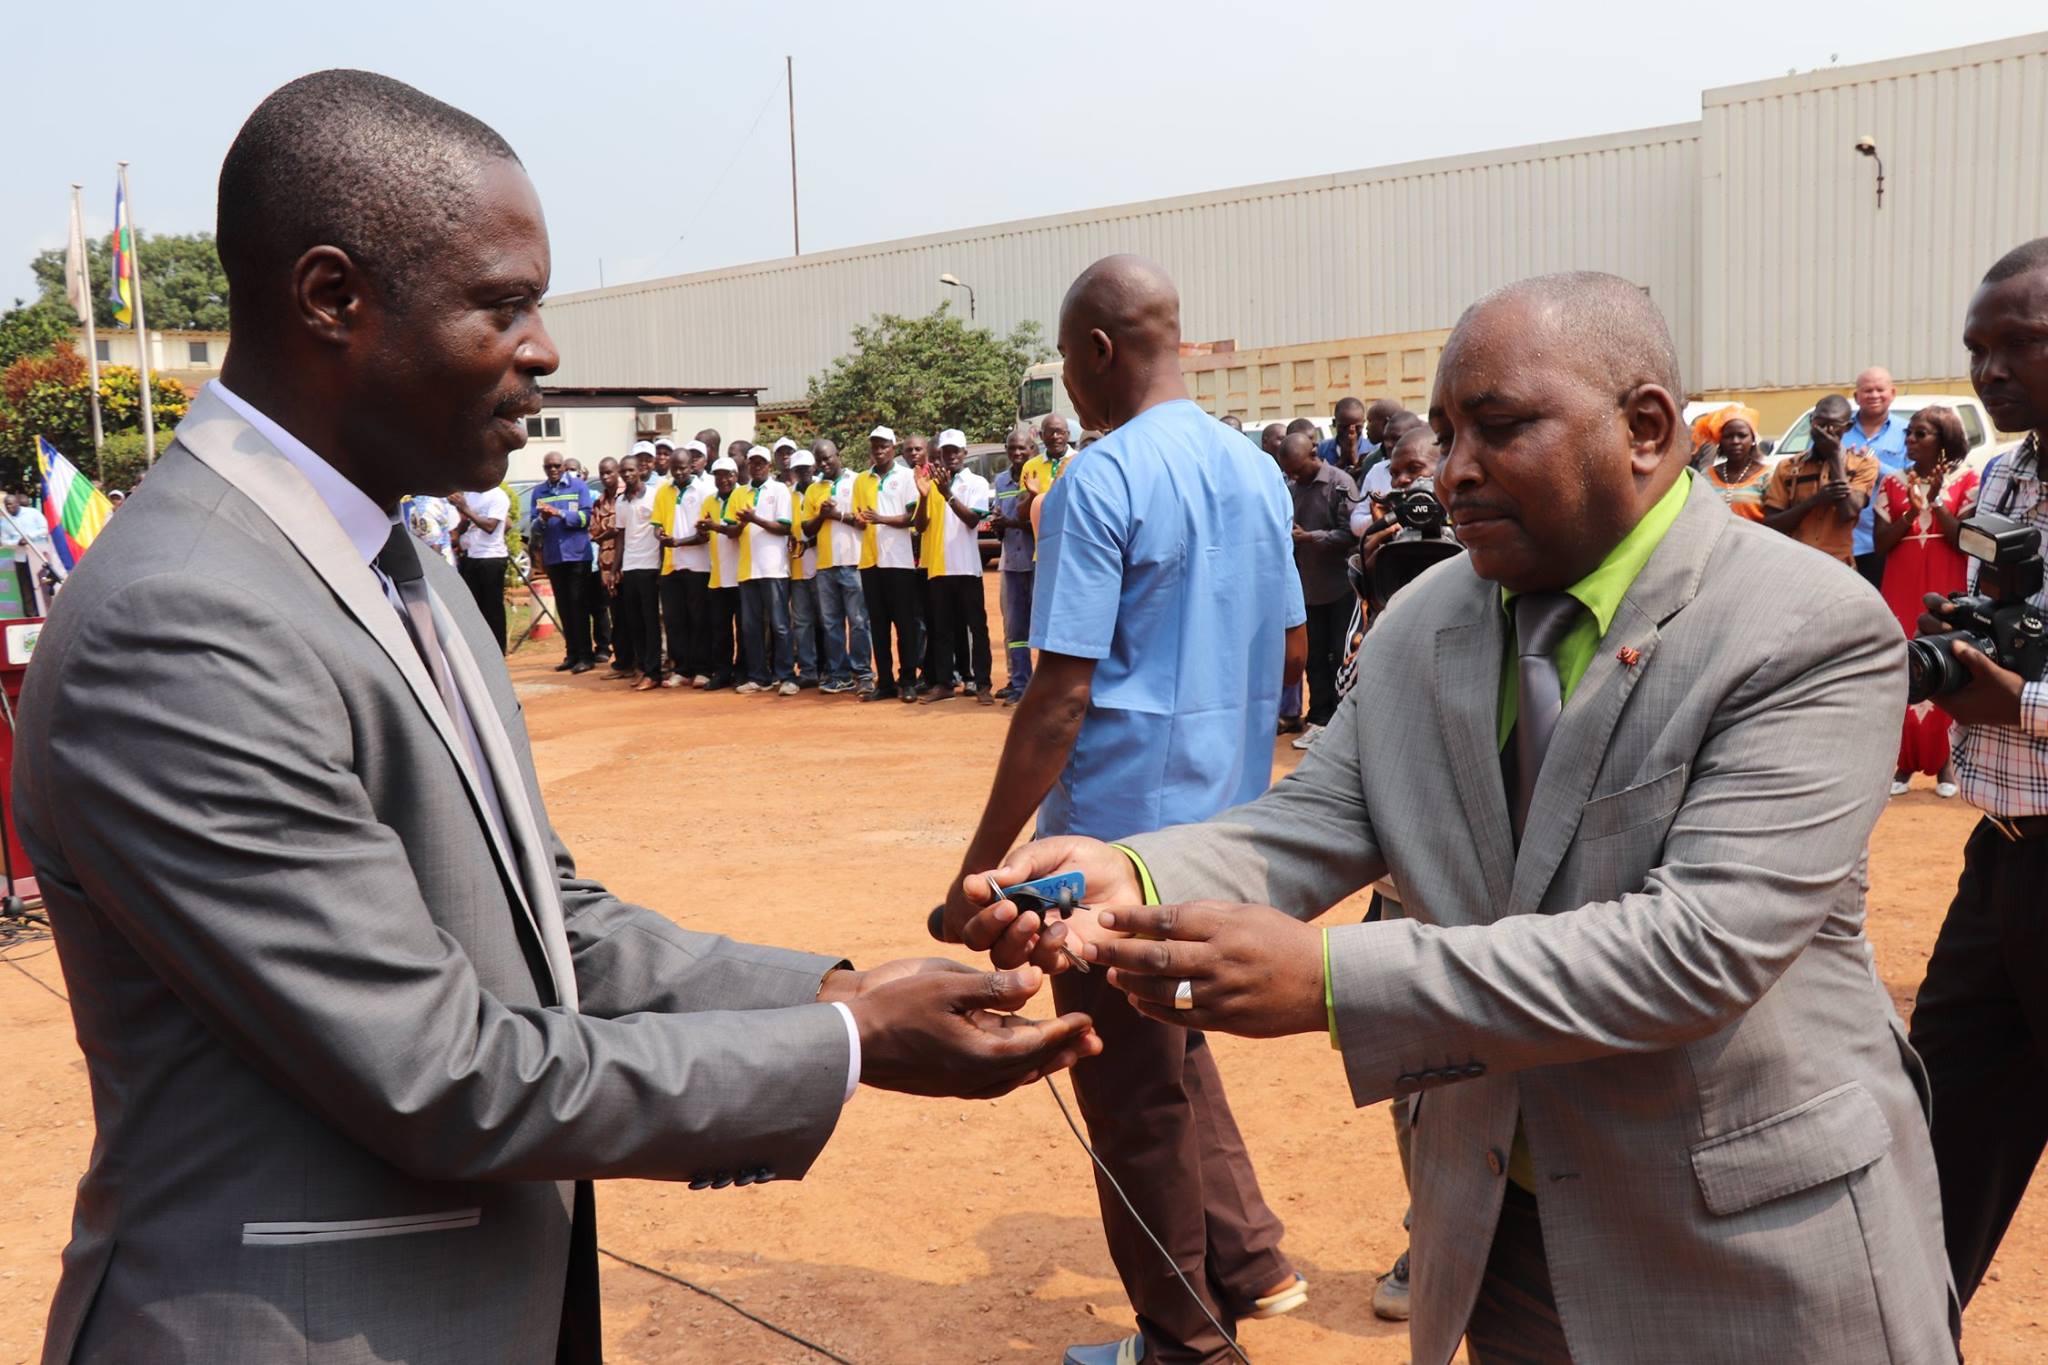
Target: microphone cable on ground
x,y
717,1297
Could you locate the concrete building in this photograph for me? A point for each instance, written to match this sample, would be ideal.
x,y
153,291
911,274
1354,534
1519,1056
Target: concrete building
x,y
1755,228
589,423
191,358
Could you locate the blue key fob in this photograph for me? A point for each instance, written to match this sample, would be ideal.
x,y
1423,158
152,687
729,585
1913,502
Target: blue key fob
x,y
1062,892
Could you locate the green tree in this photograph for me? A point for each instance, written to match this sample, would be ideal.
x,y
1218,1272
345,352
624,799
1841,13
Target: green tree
x,y
924,374
34,329
183,285
51,396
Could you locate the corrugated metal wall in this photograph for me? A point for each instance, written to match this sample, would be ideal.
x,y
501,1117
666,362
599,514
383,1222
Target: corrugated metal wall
x,y
1400,249
1803,280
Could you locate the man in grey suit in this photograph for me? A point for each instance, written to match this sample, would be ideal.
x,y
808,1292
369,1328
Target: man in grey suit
x,y
1618,760
358,1032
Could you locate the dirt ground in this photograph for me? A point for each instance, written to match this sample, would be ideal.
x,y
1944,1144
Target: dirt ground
x,y
929,1230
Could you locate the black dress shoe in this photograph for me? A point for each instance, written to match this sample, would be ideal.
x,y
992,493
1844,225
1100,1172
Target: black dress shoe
x,y
565,665
583,667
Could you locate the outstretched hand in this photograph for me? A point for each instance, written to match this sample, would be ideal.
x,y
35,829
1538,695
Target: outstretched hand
x,y
1250,969
950,1032
973,916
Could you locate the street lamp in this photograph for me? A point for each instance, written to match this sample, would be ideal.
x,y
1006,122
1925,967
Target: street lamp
x,y
1867,145
950,278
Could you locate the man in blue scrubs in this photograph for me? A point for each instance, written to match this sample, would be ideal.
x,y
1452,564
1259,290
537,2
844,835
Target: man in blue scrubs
x,y
1165,612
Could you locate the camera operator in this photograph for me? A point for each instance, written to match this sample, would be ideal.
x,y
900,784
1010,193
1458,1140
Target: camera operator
x,y
1981,1021
1410,497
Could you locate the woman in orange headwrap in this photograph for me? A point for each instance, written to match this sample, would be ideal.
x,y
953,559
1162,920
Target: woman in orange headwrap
x,y
1736,470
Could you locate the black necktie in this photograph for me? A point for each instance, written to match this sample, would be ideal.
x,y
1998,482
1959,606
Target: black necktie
x,y
1541,622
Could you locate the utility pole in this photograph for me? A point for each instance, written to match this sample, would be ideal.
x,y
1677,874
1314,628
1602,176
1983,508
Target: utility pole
x,y
796,239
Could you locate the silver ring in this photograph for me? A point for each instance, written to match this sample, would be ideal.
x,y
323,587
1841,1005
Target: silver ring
x,y
1183,995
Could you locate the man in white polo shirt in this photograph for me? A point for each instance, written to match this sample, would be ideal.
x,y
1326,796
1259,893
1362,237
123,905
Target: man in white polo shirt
x,y
764,579
683,574
885,501
723,586
835,535
953,504
639,572
481,538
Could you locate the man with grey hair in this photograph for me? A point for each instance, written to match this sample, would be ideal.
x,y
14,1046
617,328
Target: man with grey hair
x,y
1668,1111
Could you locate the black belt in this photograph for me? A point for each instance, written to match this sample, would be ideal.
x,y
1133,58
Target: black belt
x,y
2020,829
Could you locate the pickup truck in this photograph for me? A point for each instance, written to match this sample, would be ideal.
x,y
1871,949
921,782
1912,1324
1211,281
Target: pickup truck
x,y
1984,439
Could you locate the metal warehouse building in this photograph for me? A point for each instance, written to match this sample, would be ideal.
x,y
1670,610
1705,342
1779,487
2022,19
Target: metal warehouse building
x,y
1757,229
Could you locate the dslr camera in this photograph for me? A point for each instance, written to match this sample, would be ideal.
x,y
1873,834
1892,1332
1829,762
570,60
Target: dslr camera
x,y
1425,538
1997,618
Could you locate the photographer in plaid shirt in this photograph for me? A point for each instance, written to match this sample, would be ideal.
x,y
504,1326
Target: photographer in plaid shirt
x,y
1981,1021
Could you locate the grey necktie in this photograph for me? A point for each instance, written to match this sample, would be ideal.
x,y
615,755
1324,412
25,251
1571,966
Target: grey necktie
x,y
399,561
1541,621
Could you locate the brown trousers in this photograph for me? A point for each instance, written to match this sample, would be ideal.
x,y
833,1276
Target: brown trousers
x,y
1515,1321
1157,1117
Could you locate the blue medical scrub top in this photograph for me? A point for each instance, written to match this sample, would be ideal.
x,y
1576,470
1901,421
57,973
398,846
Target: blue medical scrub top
x,y
1889,446
1165,553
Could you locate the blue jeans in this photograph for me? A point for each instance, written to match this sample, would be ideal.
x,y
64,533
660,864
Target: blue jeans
x,y
803,626
1017,585
845,610
764,630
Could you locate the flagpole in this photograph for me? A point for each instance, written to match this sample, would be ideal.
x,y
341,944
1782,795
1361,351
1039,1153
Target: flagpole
x,y
92,348
141,327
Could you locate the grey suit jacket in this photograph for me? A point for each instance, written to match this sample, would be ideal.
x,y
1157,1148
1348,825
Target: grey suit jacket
x,y
346,1045
1668,983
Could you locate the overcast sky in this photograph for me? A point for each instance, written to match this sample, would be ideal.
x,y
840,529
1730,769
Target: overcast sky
x,y
657,133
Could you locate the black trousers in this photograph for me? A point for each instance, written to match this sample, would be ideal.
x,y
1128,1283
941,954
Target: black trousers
x,y
1327,623
892,601
959,608
640,607
686,616
574,586
485,579
923,647
1871,566
722,633
1980,1025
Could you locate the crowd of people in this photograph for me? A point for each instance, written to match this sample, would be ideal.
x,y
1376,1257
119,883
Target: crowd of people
x,y
770,568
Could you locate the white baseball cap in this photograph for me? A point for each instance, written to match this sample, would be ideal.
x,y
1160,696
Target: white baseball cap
x,y
724,465
882,434
758,453
784,443
803,459
668,441
697,446
952,436
642,448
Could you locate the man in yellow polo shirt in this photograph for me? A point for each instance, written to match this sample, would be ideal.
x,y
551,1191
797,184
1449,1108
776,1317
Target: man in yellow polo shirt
x,y
1044,468
1629,816
831,523
719,518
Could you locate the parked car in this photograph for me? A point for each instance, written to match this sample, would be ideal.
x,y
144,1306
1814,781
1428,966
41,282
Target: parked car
x,y
1983,437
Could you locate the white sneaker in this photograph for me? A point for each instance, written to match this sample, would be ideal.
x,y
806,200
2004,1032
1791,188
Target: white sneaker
x,y
749,688
672,680
1899,788
1308,737
701,681
1947,791
789,689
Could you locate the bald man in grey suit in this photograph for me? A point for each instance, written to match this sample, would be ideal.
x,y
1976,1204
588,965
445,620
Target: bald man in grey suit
x,y
359,1033
1620,761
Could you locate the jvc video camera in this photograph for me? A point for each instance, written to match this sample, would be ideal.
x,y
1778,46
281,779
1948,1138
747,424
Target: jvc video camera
x,y
1425,538
1997,618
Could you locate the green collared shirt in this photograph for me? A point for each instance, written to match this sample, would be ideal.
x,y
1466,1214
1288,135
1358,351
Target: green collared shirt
x,y
1601,591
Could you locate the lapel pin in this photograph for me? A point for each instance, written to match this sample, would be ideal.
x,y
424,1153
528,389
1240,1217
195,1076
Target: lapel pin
x,y
1629,657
